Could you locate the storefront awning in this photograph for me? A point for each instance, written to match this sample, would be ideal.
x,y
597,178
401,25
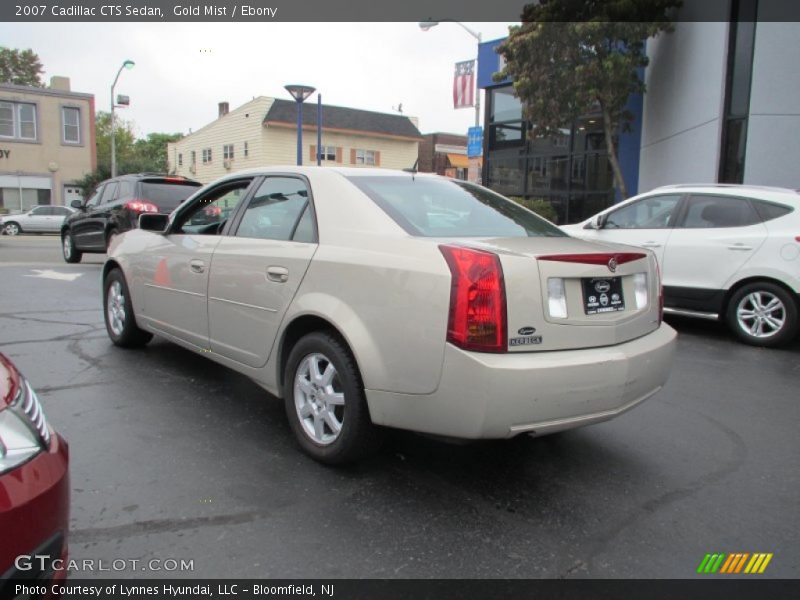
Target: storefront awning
x,y
460,161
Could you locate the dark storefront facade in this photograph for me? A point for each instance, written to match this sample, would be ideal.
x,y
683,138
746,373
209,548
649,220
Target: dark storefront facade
x,y
570,169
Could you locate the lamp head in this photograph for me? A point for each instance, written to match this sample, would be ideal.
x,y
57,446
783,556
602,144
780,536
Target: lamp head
x,y
128,64
426,25
300,92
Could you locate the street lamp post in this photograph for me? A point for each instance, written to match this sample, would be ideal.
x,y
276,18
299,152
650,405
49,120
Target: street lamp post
x,y
300,93
128,64
426,25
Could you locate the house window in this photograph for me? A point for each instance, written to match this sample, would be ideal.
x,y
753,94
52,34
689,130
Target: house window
x,y
18,120
206,155
71,120
227,151
245,150
194,158
363,157
180,160
327,152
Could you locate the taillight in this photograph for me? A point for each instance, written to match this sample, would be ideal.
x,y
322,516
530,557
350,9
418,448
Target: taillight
x,y
477,319
213,211
660,295
141,206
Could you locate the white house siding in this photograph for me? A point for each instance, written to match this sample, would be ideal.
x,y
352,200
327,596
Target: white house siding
x,y
280,147
276,144
237,127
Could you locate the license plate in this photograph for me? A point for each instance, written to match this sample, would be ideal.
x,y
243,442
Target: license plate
x,y
602,295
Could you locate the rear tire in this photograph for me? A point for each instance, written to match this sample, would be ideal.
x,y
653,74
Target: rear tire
x,y
118,313
70,252
325,402
763,314
12,228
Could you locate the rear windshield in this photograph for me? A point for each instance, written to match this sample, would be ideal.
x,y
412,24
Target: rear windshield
x,y
167,195
429,207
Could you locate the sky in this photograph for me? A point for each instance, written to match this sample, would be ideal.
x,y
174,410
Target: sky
x,y
184,69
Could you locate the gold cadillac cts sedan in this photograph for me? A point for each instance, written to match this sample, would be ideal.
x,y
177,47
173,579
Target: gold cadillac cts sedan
x,y
372,297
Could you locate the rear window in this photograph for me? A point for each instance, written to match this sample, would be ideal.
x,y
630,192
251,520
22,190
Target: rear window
x,y
167,195
428,207
768,211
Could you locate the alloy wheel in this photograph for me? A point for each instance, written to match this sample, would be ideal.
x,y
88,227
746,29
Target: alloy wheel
x,y
761,314
319,399
115,308
11,229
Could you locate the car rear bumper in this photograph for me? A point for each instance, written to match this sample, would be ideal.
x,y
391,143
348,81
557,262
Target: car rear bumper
x,y
502,395
34,516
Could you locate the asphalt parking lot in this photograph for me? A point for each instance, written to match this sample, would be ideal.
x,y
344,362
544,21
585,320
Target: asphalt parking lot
x,y
175,457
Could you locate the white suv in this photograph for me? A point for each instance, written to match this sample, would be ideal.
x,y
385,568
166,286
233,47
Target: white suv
x,y
727,252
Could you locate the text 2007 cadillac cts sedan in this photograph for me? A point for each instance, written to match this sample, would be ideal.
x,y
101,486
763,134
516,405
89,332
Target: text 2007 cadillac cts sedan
x,y
370,297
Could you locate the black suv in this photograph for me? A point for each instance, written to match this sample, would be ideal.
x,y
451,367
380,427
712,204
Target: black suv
x,y
115,206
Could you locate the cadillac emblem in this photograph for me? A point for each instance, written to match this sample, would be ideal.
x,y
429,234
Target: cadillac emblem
x,y
612,264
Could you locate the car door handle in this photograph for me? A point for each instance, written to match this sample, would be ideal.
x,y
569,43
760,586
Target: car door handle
x,y
739,247
278,274
198,266
651,245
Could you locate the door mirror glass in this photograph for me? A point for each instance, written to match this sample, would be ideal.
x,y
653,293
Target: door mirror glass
x,y
76,204
153,222
596,222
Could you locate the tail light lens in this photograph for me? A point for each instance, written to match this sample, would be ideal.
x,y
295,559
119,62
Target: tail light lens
x,y
141,206
660,295
477,319
598,258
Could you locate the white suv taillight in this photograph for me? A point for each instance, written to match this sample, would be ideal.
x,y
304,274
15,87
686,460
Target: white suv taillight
x,y
556,298
477,319
640,290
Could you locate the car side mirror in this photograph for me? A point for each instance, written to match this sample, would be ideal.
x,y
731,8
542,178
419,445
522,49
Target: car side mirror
x,y
156,222
76,204
596,222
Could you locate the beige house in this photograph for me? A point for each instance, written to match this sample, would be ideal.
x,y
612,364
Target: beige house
x,y
264,132
47,143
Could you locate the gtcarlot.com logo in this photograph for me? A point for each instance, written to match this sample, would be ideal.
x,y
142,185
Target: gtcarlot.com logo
x,y
734,564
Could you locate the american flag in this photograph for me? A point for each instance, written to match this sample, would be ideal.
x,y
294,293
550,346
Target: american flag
x,y
464,84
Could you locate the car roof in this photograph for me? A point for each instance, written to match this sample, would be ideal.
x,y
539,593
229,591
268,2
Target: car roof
x,y
760,192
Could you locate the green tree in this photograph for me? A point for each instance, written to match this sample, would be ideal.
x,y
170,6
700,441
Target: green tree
x,y
572,57
21,67
147,154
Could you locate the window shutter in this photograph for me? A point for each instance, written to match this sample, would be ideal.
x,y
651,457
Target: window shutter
x,y
312,151
377,158
352,156
338,154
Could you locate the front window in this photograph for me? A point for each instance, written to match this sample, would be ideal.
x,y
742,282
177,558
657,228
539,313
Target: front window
x,y
364,157
328,153
18,120
655,212
429,207
71,118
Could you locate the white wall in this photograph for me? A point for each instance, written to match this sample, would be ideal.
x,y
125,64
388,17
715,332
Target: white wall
x,y
681,124
773,132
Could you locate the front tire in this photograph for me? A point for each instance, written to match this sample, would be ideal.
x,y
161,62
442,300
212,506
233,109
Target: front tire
x,y
118,313
325,402
12,228
763,314
71,253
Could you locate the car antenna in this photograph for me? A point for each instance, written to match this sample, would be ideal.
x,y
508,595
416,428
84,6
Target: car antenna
x,y
412,170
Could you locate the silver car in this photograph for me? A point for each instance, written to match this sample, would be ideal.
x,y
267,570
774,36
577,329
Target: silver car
x,y
371,297
40,219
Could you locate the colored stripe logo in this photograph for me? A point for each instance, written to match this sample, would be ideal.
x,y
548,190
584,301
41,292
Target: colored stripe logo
x,y
736,563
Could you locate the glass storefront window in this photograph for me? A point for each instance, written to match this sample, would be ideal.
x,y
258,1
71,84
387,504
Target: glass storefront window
x,y
505,105
506,175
